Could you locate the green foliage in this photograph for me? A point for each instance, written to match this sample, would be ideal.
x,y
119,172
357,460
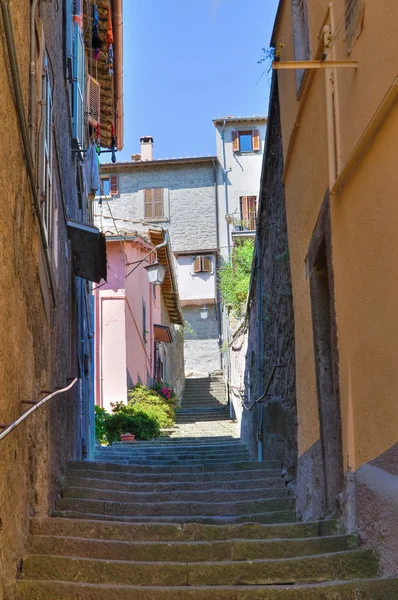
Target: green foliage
x,y
100,424
138,423
235,276
153,404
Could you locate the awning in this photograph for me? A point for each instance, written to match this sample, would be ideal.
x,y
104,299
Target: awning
x,y
89,251
162,333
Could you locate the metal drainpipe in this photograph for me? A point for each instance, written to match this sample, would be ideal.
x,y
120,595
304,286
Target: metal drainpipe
x,y
218,303
259,354
225,185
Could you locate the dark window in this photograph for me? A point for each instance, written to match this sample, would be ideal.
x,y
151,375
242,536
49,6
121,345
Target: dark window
x,y
301,38
144,330
245,141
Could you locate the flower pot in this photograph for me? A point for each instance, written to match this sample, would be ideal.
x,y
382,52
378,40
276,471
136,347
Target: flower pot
x,y
127,437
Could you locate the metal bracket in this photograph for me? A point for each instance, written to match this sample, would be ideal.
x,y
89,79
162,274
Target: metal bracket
x,y
314,64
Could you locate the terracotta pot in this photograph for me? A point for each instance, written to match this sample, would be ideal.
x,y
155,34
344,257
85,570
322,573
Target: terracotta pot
x,y
127,437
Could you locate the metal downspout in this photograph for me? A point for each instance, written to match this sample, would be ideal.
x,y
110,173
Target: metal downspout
x,y
260,385
16,82
225,186
218,305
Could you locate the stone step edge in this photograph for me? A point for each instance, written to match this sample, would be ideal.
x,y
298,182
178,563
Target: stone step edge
x,y
361,583
212,491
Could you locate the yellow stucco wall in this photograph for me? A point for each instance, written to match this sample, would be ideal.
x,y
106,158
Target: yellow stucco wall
x,y
364,230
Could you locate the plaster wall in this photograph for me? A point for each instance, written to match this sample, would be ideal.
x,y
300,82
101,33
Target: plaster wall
x,y
126,353
201,348
242,172
195,286
189,203
363,218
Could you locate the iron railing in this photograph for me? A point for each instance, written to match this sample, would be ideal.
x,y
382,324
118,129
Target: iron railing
x,y
264,397
36,406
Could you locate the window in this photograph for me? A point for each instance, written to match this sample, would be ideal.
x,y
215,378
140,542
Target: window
x,y
354,15
46,150
202,264
248,211
78,85
109,186
301,36
144,331
153,199
246,141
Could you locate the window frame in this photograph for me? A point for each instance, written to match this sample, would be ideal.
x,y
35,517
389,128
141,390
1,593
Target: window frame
x,y
250,212
46,150
301,37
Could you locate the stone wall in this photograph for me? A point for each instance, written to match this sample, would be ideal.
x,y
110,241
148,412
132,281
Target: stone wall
x,y
202,349
37,343
174,355
271,321
189,203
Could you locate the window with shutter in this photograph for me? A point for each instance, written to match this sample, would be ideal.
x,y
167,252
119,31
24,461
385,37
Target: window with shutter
x,y
301,37
256,140
153,203
113,185
202,264
93,101
248,209
354,16
78,85
46,145
68,38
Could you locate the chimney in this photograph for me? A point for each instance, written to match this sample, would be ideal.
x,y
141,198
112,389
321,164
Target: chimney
x,y
146,147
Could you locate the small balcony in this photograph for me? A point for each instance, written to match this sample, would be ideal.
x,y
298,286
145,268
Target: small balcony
x,y
241,227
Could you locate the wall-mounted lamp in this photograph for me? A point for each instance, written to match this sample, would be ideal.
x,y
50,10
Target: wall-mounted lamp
x,y
204,312
156,273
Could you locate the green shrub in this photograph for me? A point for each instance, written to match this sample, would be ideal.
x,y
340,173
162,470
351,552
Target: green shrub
x,y
100,427
139,424
152,404
234,278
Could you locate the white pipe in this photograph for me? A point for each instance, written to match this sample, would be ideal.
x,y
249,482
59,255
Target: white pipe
x,y
35,407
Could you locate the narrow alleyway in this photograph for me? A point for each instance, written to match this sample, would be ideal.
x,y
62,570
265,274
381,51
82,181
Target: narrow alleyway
x,y
189,516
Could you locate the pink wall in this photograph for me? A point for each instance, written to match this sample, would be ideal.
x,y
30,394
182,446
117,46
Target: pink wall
x,y
122,356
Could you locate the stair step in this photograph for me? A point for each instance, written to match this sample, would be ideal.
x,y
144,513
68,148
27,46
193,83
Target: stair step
x,y
270,466
281,516
175,486
352,564
115,472
177,532
174,508
231,550
382,589
93,493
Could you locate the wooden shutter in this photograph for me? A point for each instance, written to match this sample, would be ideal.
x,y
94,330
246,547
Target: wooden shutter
x,y
235,141
93,101
256,140
244,209
206,265
158,202
113,185
252,212
197,265
148,204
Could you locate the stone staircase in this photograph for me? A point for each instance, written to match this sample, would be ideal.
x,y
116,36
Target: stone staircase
x,y
189,517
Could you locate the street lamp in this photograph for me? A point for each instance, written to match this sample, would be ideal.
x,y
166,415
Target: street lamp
x,y
204,312
156,273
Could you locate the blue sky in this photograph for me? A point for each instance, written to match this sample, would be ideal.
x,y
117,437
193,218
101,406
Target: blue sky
x,y
187,62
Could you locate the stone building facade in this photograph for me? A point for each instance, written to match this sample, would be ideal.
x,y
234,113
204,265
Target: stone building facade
x,y
180,196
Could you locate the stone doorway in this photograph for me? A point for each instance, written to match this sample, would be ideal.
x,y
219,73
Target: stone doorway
x,y
326,357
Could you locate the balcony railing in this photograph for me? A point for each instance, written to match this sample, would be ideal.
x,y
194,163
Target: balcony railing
x,y
241,226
